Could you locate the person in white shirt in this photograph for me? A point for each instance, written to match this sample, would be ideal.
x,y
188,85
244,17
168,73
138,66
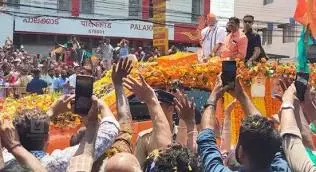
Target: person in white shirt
x,y
49,79
212,37
105,52
70,82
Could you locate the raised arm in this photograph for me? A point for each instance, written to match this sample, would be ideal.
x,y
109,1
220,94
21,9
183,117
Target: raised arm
x,y
161,134
186,111
11,142
120,71
303,109
226,133
248,107
60,106
291,135
207,148
85,151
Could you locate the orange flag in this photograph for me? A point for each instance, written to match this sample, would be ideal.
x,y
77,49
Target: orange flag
x,y
301,12
312,16
305,14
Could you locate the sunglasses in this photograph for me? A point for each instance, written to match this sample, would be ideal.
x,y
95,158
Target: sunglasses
x,y
247,21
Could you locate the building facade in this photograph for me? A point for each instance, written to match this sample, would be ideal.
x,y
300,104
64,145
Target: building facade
x,y
39,24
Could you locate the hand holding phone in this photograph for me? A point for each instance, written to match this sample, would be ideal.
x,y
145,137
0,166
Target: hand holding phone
x,y
84,89
229,69
301,83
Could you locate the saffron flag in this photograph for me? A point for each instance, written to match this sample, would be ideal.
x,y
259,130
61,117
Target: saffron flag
x,y
301,12
305,14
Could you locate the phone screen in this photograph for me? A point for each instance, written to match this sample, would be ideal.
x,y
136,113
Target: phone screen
x,y
84,89
301,83
228,72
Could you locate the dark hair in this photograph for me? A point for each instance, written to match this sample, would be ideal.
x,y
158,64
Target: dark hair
x,y
32,126
174,157
250,16
234,19
259,141
76,138
36,72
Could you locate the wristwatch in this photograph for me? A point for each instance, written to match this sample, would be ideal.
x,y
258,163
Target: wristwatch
x,y
287,105
210,103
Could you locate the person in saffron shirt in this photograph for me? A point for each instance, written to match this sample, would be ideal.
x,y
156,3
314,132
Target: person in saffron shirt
x,y
235,44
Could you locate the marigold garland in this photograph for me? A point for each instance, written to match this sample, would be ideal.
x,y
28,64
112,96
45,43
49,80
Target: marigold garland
x,y
183,68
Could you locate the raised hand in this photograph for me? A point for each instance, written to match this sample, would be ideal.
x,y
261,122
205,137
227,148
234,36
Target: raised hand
x,y
61,106
140,88
9,136
289,94
121,70
284,82
218,90
185,108
98,107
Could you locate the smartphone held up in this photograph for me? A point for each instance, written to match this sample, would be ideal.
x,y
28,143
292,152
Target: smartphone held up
x,y
84,90
229,69
301,82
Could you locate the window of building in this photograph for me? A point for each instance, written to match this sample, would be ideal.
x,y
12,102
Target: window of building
x,y
64,5
265,2
86,6
267,36
134,8
288,33
13,3
196,10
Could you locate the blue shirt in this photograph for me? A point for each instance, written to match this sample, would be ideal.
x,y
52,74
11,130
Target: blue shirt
x,y
58,84
36,86
211,156
123,52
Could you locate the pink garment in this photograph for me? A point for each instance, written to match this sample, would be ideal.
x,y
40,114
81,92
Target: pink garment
x,y
235,45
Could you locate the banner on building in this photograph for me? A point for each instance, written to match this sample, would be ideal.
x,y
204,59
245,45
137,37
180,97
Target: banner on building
x,y
160,31
124,29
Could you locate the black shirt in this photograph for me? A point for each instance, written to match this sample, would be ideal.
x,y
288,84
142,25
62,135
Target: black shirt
x,y
254,40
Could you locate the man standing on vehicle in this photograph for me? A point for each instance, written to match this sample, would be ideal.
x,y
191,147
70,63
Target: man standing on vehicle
x,y
254,40
212,37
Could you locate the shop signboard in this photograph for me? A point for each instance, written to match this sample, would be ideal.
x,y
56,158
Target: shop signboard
x,y
124,29
160,33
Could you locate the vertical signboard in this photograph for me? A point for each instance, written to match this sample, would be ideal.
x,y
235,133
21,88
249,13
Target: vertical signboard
x,y
160,31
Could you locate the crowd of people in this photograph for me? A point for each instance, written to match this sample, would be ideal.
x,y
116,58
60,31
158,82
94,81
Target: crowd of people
x,y
23,73
282,142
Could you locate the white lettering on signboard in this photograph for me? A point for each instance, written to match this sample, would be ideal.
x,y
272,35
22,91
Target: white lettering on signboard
x,y
127,29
